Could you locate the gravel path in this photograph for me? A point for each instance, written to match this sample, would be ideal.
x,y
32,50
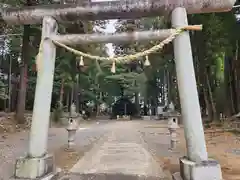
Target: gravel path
x,y
123,151
120,154
156,136
16,145
143,136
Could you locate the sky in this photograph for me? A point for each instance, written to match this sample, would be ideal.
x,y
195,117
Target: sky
x,y
110,28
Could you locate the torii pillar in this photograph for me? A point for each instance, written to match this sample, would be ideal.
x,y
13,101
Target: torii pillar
x,y
38,163
196,166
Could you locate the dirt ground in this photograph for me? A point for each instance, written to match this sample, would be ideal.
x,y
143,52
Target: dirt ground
x,y
65,158
223,147
8,124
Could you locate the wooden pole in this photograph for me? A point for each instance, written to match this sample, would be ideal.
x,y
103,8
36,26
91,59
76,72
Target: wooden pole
x,y
124,9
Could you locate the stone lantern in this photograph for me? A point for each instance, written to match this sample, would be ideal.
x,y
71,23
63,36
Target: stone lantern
x,y
71,129
73,112
172,127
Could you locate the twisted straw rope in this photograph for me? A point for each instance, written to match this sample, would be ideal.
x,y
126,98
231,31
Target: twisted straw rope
x,y
126,57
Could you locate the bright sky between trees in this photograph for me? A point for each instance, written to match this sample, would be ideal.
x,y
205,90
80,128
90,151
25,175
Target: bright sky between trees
x,y
110,28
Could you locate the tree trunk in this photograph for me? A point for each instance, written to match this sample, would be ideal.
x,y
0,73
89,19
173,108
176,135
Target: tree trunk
x,y
61,93
14,96
228,91
230,86
21,103
213,105
137,101
234,89
208,109
77,93
201,71
72,95
68,100
23,75
10,84
237,78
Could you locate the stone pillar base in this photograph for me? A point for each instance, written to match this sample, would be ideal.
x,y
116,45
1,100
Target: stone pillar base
x,y
33,168
205,170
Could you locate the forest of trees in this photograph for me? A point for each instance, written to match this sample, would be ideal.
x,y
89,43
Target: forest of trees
x,y
215,52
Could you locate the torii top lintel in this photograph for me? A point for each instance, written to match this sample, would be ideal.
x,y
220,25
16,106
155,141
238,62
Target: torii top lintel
x,y
123,9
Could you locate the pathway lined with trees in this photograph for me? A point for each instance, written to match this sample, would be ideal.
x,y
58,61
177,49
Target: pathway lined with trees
x,y
216,54
97,87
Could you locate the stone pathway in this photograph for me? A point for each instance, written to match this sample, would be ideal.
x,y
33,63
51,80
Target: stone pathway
x,y
15,145
121,152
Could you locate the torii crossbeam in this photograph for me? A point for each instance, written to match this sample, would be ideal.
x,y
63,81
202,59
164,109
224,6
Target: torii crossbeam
x,y
123,9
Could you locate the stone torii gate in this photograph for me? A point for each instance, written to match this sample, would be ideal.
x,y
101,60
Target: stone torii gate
x,y
38,163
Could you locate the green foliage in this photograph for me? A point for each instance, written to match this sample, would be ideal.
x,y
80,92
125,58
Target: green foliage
x,y
98,84
57,112
137,78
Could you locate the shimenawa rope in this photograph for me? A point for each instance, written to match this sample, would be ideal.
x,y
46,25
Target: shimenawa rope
x,y
125,58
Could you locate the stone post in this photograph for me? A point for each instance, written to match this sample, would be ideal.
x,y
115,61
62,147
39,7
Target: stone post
x,y
172,127
190,107
38,163
196,165
71,129
73,112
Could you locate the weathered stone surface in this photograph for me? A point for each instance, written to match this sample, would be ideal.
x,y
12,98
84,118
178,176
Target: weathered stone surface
x,y
15,145
123,152
33,168
177,176
123,9
207,170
